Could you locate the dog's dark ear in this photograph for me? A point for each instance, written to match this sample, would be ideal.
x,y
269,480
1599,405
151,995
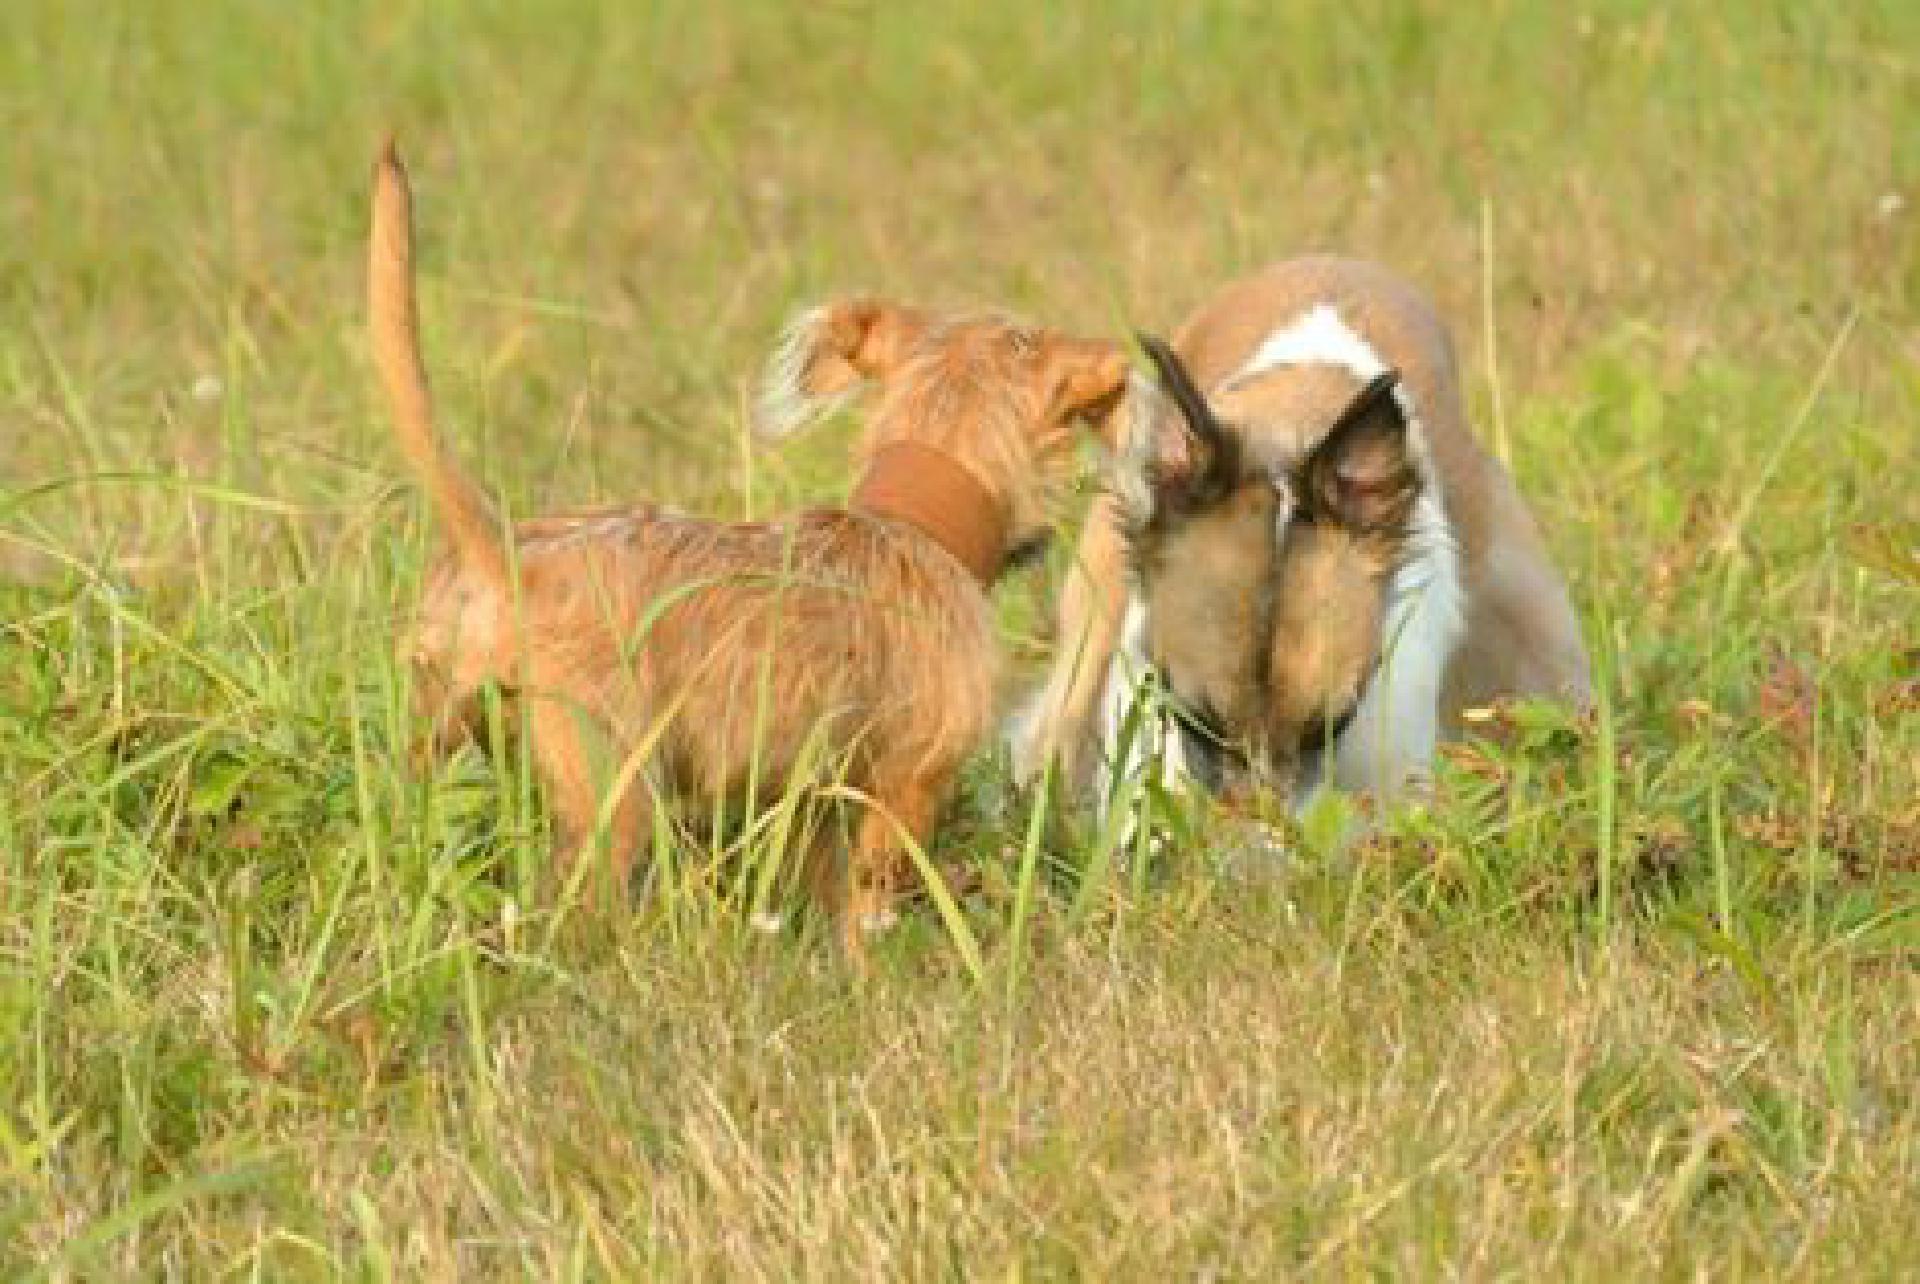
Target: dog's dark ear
x,y
1362,475
1189,452
828,353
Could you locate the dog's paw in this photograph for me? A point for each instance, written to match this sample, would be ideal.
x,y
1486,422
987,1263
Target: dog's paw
x,y
876,921
1026,744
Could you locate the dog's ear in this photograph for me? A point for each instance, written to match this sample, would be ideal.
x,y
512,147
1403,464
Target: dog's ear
x,y
827,354
1362,474
1085,379
1193,449
1176,446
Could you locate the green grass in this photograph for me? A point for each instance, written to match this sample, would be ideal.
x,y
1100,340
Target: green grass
x,y
1633,997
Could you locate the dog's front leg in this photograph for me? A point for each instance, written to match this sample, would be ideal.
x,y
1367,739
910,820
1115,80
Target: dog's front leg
x,y
1058,722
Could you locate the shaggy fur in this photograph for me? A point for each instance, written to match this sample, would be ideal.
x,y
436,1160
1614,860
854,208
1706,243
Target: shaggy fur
x,y
664,657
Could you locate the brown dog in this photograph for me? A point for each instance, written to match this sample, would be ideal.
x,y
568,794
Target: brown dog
x,y
1408,581
662,656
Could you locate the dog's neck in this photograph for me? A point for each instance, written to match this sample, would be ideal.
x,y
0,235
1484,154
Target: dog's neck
x,y
924,487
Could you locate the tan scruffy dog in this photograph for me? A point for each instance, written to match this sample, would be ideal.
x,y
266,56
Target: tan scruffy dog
x,y
662,656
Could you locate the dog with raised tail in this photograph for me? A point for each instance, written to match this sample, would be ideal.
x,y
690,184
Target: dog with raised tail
x,y
1305,547
661,657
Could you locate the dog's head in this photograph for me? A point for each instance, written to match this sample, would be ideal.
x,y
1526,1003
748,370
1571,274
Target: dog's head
x,y
1001,398
1265,583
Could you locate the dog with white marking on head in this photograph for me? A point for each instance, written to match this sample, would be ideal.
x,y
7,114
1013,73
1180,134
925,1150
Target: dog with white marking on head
x,y
1304,547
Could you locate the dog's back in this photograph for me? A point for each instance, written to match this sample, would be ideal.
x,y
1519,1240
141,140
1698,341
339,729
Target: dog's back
x,y
734,643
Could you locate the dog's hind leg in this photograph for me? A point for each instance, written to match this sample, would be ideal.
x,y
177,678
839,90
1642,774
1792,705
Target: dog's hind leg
x,y
879,864
563,746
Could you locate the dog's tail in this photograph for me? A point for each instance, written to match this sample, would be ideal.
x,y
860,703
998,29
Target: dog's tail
x,y
470,521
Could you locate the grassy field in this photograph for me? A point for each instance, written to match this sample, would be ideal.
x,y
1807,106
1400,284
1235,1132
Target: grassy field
x,y
1634,997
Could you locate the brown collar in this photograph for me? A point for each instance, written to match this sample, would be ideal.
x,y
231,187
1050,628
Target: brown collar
x,y
931,491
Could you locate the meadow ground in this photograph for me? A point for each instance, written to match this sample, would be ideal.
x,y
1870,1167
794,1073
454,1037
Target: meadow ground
x,y
1636,996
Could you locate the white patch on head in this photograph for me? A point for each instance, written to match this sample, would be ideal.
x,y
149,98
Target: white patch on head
x,y
1317,336
784,404
1320,337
